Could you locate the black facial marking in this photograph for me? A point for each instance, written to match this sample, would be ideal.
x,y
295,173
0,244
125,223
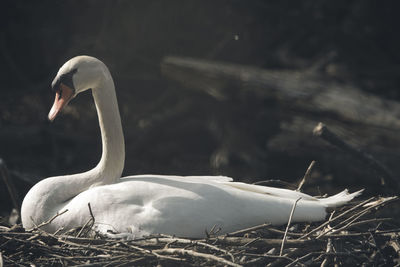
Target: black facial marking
x,y
66,79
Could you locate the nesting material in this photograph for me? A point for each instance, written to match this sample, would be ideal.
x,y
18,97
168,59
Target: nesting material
x,y
352,235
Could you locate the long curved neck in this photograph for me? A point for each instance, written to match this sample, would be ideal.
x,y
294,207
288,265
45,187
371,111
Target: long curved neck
x,y
50,195
111,164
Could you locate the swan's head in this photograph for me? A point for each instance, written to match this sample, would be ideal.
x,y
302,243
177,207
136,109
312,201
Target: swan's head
x,y
75,76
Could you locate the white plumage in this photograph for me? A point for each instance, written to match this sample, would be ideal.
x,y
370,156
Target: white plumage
x,y
146,204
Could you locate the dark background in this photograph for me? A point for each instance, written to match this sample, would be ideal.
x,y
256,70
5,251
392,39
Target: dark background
x,y
168,128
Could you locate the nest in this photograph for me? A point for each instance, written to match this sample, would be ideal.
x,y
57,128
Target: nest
x,y
352,235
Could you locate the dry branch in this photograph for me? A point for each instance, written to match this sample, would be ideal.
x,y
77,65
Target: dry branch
x,y
308,90
246,230
48,221
192,253
9,184
322,131
287,226
306,175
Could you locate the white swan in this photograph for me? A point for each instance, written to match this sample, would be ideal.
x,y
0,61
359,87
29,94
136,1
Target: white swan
x,y
145,204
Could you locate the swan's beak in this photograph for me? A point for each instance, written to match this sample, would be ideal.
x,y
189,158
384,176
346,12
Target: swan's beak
x,y
63,96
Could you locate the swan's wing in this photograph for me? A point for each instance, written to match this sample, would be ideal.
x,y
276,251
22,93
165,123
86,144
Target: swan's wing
x,y
272,191
228,184
332,201
219,179
194,179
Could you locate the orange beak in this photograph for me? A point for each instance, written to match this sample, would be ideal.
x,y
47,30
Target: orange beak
x,y
63,96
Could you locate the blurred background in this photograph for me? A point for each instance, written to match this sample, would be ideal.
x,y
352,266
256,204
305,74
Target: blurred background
x,y
191,123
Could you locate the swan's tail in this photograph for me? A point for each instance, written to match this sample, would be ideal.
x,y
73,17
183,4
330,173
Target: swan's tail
x,y
339,199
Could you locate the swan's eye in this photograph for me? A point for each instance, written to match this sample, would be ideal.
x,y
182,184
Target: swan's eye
x,y
59,93
65,78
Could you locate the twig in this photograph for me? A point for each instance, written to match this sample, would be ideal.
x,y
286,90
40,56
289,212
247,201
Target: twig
x,y
340,254
243,231
252,241
306,175
48,221
329,248
284,257
90,211
277,231
82,228
170,239
10,185
337,217
197,254
91,220
265,242
288,224
14,263
353,218
322,131
154,252
298,260
213,232
288,256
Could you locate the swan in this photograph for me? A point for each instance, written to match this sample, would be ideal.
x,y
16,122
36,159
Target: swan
x,y
141,205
